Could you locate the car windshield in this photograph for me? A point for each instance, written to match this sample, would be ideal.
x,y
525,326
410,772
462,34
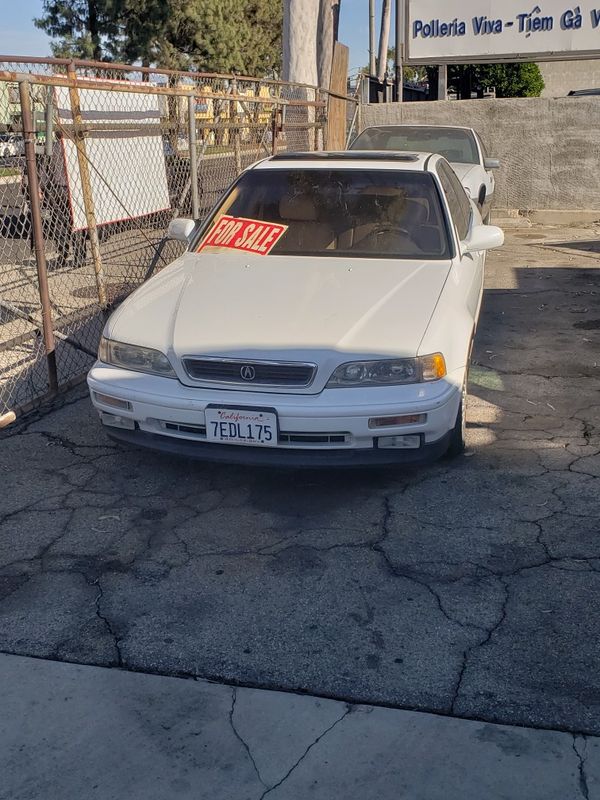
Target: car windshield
x,y
331,212
456,145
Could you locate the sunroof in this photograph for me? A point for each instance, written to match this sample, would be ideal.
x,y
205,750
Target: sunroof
x,y
348,155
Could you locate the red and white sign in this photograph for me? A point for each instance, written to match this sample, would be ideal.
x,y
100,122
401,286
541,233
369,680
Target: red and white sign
x,y
239,233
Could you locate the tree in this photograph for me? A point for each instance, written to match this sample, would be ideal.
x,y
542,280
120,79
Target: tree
x,y
241,36
512,80
79,26
213,35
509,80
144,30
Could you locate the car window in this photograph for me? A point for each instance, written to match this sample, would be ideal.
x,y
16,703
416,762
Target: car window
x,y
454,144
460,207
336,212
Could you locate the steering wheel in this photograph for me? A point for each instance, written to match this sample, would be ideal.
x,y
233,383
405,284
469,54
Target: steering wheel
x,y
388,227
371,239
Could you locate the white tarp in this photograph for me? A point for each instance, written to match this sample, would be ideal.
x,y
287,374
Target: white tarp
x,y
127,168
483,29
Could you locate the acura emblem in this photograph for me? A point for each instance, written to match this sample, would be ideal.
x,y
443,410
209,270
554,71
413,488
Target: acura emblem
x,y
247,372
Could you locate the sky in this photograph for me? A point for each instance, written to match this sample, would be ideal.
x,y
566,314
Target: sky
x,y
19,36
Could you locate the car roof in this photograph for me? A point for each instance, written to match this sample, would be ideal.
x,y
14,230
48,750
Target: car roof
x,y
417,125
359,159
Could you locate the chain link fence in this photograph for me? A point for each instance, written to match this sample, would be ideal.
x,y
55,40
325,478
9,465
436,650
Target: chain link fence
x,y
95,161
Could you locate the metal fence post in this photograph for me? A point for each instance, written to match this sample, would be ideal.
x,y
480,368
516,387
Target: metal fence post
x,y
86,185
49,119
275,128
38,233
235,131
193,156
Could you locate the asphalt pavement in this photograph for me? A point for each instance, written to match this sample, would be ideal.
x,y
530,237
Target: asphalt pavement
x,y
469,588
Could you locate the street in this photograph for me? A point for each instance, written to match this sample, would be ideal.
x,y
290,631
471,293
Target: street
x,y
468,588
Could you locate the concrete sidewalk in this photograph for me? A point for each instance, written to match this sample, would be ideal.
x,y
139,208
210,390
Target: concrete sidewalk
x,y
77,732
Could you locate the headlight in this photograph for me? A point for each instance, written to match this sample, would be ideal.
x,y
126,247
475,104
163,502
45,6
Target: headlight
x,y
130,356
389,372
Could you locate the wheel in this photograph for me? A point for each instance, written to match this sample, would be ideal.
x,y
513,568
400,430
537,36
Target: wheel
x,y
459,431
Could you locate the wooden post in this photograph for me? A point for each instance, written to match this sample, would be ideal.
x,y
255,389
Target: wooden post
x,y
38,233
336,108
7,419
86,186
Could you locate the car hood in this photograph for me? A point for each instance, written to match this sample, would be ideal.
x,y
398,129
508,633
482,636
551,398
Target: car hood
x,y
469,174
324,310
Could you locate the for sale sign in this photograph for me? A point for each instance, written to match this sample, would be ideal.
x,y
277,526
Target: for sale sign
x,y
248,235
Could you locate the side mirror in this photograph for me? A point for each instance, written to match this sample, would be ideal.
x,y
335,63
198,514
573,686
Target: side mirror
x,y
180,229
483,237
491,163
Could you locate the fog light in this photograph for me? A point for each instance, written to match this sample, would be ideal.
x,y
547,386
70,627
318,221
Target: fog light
x,y
114,402
399,442
114,421
387,422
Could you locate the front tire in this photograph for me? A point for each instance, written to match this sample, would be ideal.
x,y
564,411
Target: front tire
x,y
459,431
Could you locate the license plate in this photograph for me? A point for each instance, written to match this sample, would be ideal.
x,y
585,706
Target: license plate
x,y
241,426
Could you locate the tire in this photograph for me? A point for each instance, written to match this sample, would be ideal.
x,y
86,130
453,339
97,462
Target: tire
x,y
459,431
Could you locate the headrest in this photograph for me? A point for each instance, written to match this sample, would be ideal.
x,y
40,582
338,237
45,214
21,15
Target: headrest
x,y
299,208
451,155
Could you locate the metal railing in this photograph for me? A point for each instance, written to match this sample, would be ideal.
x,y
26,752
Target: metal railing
x,y
95,161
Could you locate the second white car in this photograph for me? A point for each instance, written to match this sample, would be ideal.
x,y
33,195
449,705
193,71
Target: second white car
x,y
461,147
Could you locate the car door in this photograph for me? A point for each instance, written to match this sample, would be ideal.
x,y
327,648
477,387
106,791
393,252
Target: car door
x,y
468,267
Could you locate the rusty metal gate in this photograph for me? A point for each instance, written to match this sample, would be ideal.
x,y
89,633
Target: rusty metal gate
x,y
95,161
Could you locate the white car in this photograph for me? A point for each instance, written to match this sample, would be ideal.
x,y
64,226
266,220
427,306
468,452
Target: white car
x,y
461,147
323,314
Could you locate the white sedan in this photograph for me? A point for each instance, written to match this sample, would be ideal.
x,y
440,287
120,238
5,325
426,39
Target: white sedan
x,y
461,147
323,314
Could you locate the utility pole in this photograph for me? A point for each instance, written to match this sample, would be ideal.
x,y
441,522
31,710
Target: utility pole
x,y
372,61
300,21
325,42
399,49
384,38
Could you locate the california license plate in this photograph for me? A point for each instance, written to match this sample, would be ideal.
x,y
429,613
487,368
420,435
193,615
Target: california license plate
x,y
241,426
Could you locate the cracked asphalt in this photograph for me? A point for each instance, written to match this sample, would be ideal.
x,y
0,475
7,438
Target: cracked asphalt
x,y
469,588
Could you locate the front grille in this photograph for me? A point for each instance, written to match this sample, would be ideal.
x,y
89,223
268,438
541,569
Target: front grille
x,y
257,373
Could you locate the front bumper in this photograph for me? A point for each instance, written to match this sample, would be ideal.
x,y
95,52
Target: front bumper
x,y
329,429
